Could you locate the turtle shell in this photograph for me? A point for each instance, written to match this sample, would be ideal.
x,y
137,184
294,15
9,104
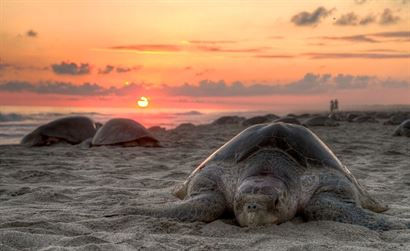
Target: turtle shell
x,y
73,129
121,131
297,141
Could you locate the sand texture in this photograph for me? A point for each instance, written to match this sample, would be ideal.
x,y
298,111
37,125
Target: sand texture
x,y
54,198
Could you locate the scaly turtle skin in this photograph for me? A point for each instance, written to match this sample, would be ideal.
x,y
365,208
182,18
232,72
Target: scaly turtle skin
x,y
403,129
73,130
268,174
124,132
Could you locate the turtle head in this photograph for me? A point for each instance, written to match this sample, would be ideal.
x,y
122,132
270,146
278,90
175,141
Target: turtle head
x,y
262,200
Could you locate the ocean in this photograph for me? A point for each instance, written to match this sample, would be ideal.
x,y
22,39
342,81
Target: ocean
x,y
17,121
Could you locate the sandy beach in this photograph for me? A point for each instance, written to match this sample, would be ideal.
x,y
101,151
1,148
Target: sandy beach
x,y
54,198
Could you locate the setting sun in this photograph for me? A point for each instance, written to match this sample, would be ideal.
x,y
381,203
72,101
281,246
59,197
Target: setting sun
x,y
143,102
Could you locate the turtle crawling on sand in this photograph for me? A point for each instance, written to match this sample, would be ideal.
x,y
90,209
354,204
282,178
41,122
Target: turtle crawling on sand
x,y
72,130
124,132
320,121
403,129
268,174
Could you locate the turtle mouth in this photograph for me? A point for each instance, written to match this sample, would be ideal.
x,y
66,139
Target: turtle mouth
x,y
256,219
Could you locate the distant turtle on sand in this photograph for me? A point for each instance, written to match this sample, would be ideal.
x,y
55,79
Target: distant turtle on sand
x,y
365,119
72,130
228,120
268,174
255,120
397,119
289,120
124,132
320,121
403,129
259,119
351,116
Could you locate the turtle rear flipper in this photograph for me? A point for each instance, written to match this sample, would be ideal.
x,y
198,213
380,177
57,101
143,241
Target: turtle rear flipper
x,y
329,206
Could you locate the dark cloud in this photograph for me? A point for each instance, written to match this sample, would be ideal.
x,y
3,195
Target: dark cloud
x,y
347,19
195,45
342,81
404,35
356,55
86,89
305,18
351,19
383,50
16,86
309,84
31,33
123,69
394,34
67,88
392,83
109,68
4,66
356,38
365,1
18,67
106,70
367,20
70,69
220,49
387,17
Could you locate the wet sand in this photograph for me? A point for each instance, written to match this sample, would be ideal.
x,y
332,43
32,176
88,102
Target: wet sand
x,y
54,198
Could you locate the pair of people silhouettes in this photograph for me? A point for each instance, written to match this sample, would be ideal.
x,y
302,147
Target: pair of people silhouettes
x,y
334,105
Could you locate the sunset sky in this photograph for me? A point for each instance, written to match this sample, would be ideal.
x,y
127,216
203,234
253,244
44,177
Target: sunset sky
x,y
214,54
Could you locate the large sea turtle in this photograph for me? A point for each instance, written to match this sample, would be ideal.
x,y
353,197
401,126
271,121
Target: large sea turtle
x,y
124,132
268,174
403,129
72,129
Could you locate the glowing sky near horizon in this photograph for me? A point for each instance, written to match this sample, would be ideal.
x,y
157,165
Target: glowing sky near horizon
x,y
204,54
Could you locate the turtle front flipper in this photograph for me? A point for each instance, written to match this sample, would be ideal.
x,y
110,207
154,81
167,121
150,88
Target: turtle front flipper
x,y
329,206
204,207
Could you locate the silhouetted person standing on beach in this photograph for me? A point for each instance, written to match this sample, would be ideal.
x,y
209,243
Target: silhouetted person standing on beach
x,y
336,105
332,106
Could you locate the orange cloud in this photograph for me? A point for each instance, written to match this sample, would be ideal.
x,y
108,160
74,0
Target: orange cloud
x,y
149,47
